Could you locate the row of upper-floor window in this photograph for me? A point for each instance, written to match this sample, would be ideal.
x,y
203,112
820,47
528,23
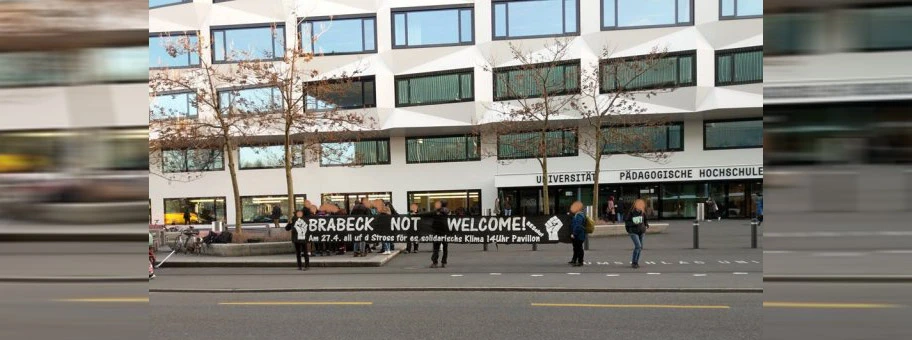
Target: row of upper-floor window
x,y
726,134
672,70
122,64
442,26
868,28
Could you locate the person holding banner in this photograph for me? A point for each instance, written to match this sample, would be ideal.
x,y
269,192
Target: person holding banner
x,y
299,238
636,225
412,247
360,209
441,212
577,233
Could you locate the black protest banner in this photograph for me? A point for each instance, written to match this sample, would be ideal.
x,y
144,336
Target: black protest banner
x,y
475,229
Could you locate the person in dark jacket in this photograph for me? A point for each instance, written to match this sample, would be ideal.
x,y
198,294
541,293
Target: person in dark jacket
x,y
577,232
361,209
636,224
412,247
298,237
441,211
276,215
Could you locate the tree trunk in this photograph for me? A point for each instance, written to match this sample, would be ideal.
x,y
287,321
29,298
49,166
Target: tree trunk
x,y
232,170
543,147
595,176
289,182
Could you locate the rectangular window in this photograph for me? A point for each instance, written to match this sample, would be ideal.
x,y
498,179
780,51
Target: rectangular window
x,y
880,28
739,9
258,209
339,36
200,210
347,201
739,66
173,105
621,14
269,156
643,139
22,69
192,160
460,202
558,143
433,27
353,93
182,45
366,152
34,151
435,88
442,149
793,33
248,43
163,3
531,81
677,69
535,18
259,100
733,134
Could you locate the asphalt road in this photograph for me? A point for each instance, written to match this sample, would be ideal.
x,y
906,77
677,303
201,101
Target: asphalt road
x,y
73,259
450,315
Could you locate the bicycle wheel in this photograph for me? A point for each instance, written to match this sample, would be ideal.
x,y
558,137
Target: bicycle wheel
x,y
180,245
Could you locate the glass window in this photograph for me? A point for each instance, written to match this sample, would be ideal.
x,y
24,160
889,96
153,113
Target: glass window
x,y
636,73
437,27
739,66
258,209
732,9
792,33
269,156
253,43
368,152
679,200
643,139
646,13
183,47
434,88
33,151
192,160
35,68
733,134
251,100
530,81
125,149
161,3
882,28
442,149
535,18
558,143
339,36
347,201
173,105
467,202
203,210
351,94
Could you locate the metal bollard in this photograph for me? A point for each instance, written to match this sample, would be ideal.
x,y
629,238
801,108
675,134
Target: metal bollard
x,y
754,234
535,247
696,237
485,246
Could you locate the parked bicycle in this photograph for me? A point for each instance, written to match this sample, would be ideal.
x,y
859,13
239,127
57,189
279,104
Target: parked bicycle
x,y
188,242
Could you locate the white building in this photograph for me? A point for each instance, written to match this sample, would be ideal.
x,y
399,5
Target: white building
x,y
714,136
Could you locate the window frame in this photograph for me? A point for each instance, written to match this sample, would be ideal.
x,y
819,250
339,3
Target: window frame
x,y
253,145
461,71
676,54
457,7
219,92
467,159
213,198
563,136
733,51
388,158
705,148
310,20
618,28
494,36
189,105
667,138
409,196
869,6
269,25
189,56
186,169
736,16
361,80
180,2
303,198
563,63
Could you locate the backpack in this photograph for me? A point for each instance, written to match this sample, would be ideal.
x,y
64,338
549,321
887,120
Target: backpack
x,y
223,237
589,225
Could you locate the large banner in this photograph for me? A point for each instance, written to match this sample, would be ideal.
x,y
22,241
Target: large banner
x,y
476,229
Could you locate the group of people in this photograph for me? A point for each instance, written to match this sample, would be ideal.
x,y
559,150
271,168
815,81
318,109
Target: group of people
x,y
635,223
365,207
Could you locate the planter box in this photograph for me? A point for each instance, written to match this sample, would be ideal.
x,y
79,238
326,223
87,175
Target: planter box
x,y
249,249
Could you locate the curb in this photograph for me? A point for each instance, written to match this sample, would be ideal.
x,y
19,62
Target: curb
x,y
839,278
288,264
462,289
74,237
66,279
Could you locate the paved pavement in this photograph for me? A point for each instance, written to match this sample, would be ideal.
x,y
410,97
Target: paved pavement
x,y
451,315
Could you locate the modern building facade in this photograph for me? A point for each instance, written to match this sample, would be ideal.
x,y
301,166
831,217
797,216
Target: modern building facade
x,y
425,81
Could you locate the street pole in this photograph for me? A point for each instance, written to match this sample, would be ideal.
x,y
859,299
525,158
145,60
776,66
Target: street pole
x,y
485,246
696,231
588,213
754,234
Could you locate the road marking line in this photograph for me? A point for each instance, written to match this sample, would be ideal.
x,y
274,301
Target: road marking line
x,y
739,273
297,303
699,274
495,273
827,305
612,275
777,252
112,300
456,275
901,251
628,306
653,273
839,254
573,273
536,275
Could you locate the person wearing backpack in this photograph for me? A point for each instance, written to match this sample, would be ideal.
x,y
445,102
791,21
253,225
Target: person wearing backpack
x,y
635,223
577,232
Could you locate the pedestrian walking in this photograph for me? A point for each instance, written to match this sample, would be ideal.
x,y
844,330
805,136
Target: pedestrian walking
x,y
151,256
712,209
577,233
636,224
441,212
299,238
412,247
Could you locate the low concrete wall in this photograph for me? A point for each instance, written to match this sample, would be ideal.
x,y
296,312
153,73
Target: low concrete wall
x,y
83,213
618,230
249,249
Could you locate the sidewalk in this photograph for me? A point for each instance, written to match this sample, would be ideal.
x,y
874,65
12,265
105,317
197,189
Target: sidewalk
x,y
24,231
286,260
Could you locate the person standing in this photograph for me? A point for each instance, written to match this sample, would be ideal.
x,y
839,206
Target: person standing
x,y
151,256
611,213
384,209
360,209
508,206
577,233
276,215
759,208
412,247
187,216
299,238
635,223
619,209
712,209
441,212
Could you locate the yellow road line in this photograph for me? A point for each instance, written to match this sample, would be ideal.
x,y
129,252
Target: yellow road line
x,y
827,305
297,303
109,300
628,306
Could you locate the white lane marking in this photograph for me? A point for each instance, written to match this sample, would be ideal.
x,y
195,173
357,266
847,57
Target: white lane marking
x,y
536,275
839,254
456,275
739,273
653,273
612,275
573,273
495,273
699,274
839,234
899,251
777,252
